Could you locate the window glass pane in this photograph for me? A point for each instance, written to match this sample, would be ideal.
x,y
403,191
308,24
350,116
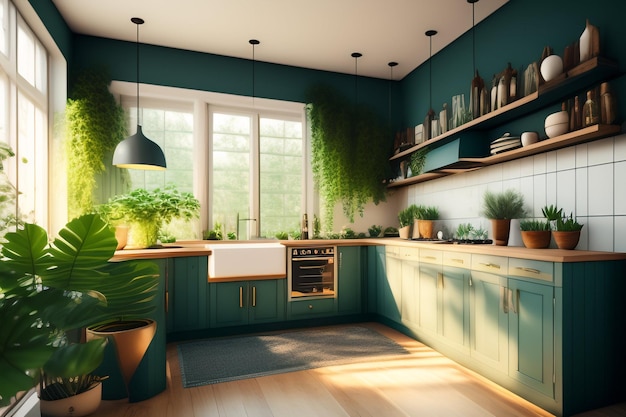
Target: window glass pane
x,y
281,179
41,68
25,156
231,153
4,29
173,132
26,54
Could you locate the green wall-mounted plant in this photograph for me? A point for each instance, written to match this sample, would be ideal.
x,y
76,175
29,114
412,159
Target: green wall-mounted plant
x,y
95,123
350,151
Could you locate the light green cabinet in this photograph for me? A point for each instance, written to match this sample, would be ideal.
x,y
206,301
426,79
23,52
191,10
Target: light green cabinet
x,y
454,325
247,302
410,286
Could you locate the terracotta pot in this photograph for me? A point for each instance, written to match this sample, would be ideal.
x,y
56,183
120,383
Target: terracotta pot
x,y
416,230
405,232
131,339
536,239
566,240
500,229
426,228
121,234
79,405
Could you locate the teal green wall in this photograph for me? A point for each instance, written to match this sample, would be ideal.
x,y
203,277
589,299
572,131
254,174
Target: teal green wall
x,y
516,33
55,25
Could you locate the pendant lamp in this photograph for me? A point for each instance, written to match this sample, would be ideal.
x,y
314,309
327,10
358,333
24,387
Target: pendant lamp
x,y
137,151
430,116
254,43
391,65
356,56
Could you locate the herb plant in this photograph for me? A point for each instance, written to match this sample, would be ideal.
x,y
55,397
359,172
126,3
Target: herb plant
x,y
506,205
552,213
568,224
428,213
534,225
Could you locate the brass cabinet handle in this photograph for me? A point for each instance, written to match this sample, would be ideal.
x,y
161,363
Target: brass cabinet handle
x,y
240,297
531,270
490,265
310,307
457,260
167,301
253,296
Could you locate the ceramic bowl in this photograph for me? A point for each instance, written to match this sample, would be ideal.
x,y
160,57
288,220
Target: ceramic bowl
x,y
551,67
557,123
528,138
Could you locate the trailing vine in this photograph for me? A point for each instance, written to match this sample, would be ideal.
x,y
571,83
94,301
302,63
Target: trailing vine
x,y
95,124
350,151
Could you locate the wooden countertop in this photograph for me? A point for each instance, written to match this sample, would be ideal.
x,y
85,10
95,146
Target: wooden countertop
x,y
197,248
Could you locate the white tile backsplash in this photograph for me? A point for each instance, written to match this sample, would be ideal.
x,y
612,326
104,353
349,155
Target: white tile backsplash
x,y
600,190
600,152
583,180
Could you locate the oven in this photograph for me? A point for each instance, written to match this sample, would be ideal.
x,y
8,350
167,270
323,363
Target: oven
x,y
312,272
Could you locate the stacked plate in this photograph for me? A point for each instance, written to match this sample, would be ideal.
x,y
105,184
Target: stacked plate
x,y
505,143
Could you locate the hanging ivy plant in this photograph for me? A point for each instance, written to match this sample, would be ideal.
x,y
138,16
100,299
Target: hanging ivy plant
x,y
95,124
350,151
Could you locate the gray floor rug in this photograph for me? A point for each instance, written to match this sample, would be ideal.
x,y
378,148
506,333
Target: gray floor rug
x,y
219,360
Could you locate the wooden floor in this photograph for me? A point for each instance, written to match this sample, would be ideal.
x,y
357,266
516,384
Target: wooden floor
x,y
423,383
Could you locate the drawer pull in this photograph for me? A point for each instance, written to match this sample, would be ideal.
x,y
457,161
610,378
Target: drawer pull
x,y
490,265
310,307
240,297
457,260
253,296
531,270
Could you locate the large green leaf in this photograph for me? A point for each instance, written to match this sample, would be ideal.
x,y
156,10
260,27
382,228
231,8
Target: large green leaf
x,y
76,359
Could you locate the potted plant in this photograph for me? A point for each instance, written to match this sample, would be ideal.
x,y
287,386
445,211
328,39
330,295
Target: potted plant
x,y
144,212
500,208
426,221
406,217
552,214
567,233
374,230
49,290
535,233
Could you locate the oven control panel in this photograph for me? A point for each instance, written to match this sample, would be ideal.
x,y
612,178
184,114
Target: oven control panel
x,y
313,252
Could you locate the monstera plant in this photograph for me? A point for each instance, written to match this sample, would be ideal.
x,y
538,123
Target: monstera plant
x,y
48,289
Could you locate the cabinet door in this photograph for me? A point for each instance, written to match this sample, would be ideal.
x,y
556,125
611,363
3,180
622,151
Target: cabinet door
x,y
454,324
229,303
489,320
188,294
267,300
375,269
430,277
349,280
410,294
531,337
390,286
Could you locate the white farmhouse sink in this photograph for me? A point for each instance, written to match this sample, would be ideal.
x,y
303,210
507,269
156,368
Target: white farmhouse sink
x,y
247,259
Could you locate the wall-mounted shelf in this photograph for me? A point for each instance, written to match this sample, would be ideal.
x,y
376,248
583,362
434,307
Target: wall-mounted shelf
x,y
469,164
573,81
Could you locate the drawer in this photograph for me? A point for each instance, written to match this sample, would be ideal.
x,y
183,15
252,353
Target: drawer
x,y
409,254
393,251
312,308
460,260
490,263
431,256
531,269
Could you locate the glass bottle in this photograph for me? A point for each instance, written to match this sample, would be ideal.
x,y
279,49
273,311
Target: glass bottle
x,y
607,104
574,121
590,110
305,227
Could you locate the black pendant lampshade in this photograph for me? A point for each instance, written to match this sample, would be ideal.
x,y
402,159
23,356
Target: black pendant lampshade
x,y
137,151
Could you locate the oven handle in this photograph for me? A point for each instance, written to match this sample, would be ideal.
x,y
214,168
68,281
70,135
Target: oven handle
x,y
302,267
328,258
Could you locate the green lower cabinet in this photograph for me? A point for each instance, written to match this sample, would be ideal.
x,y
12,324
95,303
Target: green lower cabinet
x,y
311,308
187,294
489,322
349,275
531,335
247,302
389,285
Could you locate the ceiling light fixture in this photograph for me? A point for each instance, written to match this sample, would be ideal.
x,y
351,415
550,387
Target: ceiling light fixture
x,y
137,151
391,65
430,116
254,43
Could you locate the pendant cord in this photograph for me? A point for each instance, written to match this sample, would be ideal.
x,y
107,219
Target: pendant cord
x,y
473,39
430,69
137,43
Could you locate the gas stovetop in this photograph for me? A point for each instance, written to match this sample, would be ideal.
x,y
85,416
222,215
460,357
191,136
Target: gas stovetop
x,y
455,241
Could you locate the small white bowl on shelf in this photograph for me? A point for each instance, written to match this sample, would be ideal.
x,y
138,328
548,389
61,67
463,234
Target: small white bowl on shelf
x,y
557,123
528,138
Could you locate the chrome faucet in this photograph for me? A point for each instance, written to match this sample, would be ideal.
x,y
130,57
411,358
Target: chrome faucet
x,y
242,220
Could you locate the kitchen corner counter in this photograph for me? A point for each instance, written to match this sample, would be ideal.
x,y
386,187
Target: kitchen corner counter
x,y
167,251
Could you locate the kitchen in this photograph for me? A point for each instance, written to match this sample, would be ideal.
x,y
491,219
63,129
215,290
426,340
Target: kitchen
x,y
584,179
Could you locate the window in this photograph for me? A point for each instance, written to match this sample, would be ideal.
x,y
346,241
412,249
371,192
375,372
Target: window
x,y
23,118
257,173
238,159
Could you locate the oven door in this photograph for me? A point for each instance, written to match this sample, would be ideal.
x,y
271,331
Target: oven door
x,y
312,277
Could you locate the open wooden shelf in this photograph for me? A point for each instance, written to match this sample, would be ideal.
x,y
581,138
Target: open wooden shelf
x,y
469,164
548,93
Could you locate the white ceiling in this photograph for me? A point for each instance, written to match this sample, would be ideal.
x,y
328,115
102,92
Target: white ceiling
x,y
318,34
